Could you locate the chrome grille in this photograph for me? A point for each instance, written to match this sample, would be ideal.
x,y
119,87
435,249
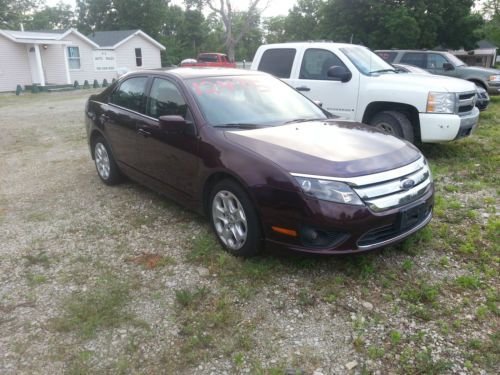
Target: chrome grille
x,y
404,185
466,101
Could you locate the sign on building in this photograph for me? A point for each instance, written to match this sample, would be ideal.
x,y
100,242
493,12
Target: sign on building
x,y
104,60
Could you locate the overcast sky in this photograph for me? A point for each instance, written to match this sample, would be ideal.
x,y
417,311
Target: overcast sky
x,y
276,7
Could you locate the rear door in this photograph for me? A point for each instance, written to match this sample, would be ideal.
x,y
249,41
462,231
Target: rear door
x,y
169,158
126,106
339,98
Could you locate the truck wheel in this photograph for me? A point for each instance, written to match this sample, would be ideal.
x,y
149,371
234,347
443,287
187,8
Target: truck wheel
x,y
394,123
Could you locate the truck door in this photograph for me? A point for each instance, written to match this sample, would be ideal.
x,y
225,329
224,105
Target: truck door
x,y
339,98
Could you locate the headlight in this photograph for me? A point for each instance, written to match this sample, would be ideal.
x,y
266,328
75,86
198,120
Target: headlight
x,y
332,191
494,78
441,102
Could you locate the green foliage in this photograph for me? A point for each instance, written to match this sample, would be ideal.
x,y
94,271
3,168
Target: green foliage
x,y
402,24
60,16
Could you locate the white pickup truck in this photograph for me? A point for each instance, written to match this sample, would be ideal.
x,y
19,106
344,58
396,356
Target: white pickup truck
x,y
357,85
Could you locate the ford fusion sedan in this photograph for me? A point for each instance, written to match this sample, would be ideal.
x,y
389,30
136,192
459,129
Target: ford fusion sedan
x,y
263,162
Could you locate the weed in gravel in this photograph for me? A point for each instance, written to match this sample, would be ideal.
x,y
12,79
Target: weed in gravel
x,y
102,306
40,258
187,299
468,282
395,337
420,292
36,279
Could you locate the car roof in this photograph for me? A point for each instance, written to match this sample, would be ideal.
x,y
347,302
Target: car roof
x,y
410,50
199,72
310,44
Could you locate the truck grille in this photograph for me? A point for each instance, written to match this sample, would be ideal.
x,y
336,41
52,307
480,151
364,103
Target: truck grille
x,y
395,188
466,102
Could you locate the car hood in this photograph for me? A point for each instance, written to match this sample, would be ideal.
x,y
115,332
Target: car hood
x,y
429,82
335,149
481,70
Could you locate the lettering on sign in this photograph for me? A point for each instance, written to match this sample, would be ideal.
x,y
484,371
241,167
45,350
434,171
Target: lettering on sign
x,y
104,61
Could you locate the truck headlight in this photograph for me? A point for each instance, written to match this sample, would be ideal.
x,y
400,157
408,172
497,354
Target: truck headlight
x,y
495,78
441,102
332,191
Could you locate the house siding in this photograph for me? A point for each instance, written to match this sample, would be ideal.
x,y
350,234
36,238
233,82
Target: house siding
x,y
125,54
14,65
54,66
87,70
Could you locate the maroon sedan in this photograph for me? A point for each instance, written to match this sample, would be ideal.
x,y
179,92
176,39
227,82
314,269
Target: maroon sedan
x,y
263,162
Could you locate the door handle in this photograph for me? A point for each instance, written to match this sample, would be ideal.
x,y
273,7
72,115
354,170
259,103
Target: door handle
x,y
303,88
143,132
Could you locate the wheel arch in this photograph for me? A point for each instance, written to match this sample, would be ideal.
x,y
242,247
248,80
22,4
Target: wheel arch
x,y
478,82
93,136
212,180
376,107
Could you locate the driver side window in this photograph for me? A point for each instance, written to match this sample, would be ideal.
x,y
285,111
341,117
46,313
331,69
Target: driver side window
x,y
436,61
165,100
316,63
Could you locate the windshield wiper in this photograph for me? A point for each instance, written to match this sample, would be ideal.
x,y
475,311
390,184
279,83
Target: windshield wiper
x,y
240,125
303,120
383,71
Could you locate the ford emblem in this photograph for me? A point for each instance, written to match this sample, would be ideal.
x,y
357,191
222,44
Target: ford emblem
x,y
407,184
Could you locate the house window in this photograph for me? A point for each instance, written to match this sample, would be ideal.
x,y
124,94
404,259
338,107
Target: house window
x,y
73,58
138,57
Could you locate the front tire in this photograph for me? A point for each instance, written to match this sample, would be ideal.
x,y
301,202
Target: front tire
x,y
234,219
105,163
394,123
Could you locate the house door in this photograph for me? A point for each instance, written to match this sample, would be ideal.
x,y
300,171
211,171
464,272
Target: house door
x,y
35,75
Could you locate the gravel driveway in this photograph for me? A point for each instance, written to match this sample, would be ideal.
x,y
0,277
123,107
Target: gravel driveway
x,y
117,280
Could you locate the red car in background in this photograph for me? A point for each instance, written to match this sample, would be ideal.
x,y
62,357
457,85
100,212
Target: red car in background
x,y
218,60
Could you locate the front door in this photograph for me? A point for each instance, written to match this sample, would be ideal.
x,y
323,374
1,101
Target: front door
x,y
339,98
169,158
435,63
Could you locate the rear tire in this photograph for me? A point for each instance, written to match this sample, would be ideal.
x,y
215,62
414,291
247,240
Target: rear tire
x,y
234,219
394,123
105,163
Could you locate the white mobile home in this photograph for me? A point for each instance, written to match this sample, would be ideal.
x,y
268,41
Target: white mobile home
x,y
64,56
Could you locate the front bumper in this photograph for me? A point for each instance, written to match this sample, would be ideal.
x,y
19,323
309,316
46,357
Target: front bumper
x,y
352,229
436,128
493,87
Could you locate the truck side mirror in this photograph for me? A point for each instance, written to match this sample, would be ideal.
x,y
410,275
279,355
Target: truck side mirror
x,y
447,66
339,73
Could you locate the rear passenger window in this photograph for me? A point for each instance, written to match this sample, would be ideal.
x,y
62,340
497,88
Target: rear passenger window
x,y
165,100
415,58
388,56
316,63
131,94
278,62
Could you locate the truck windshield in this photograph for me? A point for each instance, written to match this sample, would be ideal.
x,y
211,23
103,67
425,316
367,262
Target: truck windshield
x,y
366,61
207,58
258,100
454,60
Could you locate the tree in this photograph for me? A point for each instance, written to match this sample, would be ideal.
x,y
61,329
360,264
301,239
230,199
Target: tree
x,y
401,23
14,12
224,9
48,18
95,15
302,21
491,29
274,29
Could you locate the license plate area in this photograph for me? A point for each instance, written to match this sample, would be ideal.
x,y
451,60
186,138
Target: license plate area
x,y
412,216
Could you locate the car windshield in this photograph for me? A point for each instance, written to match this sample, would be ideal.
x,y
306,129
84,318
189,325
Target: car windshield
x,y
257,100
366,61
454,60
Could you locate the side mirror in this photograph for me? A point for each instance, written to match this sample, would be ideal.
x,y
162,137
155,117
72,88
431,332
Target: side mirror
x,y
448,66
339,73
173,124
